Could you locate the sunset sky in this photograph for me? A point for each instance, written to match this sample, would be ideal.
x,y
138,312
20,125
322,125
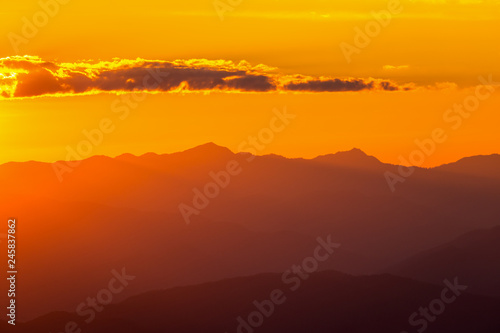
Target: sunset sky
x,y
222,67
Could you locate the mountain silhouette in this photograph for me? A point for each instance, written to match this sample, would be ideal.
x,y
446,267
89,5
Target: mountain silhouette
x,y
484,166
474,257
108,213
354,158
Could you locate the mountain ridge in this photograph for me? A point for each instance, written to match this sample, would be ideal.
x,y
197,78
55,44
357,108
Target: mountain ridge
x,y
473,256
345,157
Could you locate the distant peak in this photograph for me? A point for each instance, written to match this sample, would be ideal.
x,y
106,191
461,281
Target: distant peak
x,y
125,156
210,145
352,158
353,151
209,148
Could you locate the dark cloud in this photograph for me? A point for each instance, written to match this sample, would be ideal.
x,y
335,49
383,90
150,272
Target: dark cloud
x,y
253,82
330,85
389,86
31,76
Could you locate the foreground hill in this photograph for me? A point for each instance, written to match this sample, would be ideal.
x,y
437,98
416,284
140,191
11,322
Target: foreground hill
x,y
325,302
474,257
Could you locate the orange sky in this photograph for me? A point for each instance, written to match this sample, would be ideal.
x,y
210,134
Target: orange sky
x,y
274,54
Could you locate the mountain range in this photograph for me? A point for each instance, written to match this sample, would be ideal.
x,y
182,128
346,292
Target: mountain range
x,y
124,212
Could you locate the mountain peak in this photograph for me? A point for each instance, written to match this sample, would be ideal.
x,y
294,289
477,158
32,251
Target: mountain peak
x,y
351,158
209,148
353,152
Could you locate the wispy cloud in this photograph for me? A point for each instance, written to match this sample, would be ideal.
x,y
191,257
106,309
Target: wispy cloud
x,y
395,68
